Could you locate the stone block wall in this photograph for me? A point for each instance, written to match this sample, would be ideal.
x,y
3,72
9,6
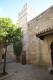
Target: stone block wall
x,y
38,50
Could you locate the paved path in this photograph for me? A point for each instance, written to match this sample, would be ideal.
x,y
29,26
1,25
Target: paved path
x,y
18,71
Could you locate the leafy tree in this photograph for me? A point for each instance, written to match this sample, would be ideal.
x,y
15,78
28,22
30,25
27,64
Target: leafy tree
x,y
17,47
9,33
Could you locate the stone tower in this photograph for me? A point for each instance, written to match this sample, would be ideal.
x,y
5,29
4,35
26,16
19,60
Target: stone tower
x,y
24,16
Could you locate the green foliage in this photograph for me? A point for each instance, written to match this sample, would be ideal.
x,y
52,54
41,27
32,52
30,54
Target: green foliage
x,y
9,32
5,26
17,44
17,47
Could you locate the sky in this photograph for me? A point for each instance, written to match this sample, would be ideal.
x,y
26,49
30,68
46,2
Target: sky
x,y
11,8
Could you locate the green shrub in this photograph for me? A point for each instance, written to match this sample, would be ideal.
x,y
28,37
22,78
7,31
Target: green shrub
x,y
17,47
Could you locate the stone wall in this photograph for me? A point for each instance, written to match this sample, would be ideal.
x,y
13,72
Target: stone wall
x,y
38,50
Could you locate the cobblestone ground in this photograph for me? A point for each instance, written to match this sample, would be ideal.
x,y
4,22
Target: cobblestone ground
x,y
18,71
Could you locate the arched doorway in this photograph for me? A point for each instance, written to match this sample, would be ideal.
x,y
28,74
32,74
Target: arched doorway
x,y
51,47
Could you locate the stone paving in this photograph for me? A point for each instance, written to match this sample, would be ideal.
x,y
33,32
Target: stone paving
x,y
17,71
